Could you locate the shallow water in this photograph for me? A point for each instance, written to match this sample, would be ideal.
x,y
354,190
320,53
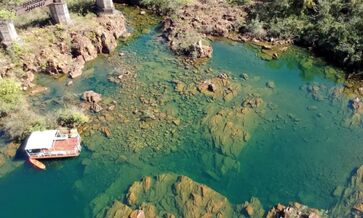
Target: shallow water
x,y
300,147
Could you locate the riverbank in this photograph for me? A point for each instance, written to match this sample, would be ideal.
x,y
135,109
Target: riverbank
x,y
188,26
161,114
56,50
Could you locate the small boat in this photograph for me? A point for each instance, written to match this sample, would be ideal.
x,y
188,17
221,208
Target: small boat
x,y
37,163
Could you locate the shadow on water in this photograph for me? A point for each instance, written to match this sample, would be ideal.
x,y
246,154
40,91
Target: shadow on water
x,y
20,153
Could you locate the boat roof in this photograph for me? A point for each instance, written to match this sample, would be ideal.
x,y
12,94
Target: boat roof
x,y
41,139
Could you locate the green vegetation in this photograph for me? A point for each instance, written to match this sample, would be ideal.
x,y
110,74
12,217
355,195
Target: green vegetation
x,y
20,125
71,117
334,28
166,5
11,95
6,14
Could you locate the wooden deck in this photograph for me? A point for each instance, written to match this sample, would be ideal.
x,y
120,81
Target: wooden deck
x,y
65,145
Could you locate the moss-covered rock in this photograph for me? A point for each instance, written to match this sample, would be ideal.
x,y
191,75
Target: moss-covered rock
x,y
169,195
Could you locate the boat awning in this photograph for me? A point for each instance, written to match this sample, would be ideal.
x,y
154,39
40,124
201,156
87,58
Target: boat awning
x,y
41,140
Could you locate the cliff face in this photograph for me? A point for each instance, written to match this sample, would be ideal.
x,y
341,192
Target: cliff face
x,y
62,49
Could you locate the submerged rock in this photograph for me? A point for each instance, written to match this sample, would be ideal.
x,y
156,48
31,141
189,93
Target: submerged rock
x,y
220,87
351,197
169,195
228,129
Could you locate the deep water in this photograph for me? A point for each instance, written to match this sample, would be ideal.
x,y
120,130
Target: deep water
x,y
301,144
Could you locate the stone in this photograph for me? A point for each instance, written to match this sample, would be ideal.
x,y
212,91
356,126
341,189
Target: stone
x,y
83,46
147,183
96,107
69,83
249,210
360,90
106,131
252,102
111,107
2,160
38,90
137,214
142,12
91,97
358,207
296,210
357,105
212,87
245,76
270,85
176,122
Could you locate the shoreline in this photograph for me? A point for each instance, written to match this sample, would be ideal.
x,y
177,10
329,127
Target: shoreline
x,y
90,55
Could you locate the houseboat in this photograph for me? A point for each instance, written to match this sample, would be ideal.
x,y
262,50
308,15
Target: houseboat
x,y
53,144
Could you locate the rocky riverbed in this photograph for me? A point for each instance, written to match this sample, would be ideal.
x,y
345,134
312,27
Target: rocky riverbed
x,y
170,195
282,131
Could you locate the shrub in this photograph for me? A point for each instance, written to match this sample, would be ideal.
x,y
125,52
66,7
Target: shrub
x,y
166,6
6,14
71,117
332,27
255,27
11,95
19,125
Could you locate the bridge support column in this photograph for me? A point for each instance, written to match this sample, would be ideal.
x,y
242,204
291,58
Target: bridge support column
x,y
105,6
59,12
7,32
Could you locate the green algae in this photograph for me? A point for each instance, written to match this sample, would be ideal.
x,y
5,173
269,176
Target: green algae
x,y
289,153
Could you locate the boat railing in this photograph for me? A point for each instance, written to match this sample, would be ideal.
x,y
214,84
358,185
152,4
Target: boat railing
x,y
56,154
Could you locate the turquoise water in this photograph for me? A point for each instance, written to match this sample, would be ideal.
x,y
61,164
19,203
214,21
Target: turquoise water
x,y
300,147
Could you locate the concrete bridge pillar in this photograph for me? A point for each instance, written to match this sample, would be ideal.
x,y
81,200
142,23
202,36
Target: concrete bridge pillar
x,y
7,32
105,6
59,12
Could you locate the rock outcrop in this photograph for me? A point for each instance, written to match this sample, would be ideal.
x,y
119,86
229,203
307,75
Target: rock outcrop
x,y
169,195
64,51
295,210
93,99
188,28
350,202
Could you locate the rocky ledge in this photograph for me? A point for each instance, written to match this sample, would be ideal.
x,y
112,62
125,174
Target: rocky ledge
x,y
188,28
63,50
